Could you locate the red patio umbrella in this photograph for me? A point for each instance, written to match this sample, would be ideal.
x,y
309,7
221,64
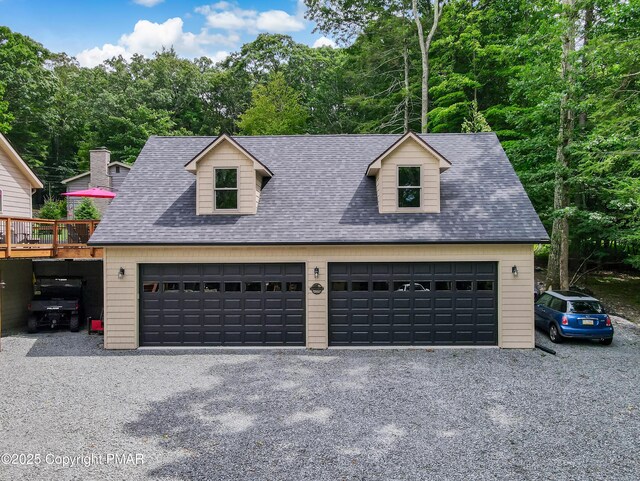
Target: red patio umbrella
x,y
94,192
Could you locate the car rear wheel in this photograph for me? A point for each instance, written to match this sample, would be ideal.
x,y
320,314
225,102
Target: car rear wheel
x,y
32,324
554,334
74,324
606,342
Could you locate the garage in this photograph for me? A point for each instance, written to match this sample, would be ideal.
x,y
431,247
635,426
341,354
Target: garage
x,y
222,305
436,303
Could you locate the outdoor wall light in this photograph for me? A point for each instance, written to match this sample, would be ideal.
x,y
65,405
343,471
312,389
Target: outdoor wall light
x,y
514,271
316,272
121,273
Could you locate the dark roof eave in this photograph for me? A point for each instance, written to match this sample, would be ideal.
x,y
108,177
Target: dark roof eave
x,y
317,243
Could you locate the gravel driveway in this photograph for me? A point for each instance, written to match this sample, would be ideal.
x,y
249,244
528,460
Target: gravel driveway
x,y
314,415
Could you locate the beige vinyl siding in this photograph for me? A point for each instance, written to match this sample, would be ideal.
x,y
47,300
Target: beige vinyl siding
x,y
515,294
226,155
16,189
410,153
258,189
17,276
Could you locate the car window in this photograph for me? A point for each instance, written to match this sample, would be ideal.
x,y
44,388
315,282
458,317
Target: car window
x,y
544,300
585,307
558,305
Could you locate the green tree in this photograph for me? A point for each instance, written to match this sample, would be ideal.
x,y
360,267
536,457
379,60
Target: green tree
x,y
53,209
475,122
5,115
275,110
86,210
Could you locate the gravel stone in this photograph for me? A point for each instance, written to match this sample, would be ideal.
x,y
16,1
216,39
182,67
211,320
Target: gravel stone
x,y
446,414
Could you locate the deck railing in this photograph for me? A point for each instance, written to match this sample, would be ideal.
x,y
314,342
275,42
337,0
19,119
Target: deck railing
x,y
25,237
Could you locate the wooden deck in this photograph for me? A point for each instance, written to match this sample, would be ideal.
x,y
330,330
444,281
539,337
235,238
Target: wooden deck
x,y
23,238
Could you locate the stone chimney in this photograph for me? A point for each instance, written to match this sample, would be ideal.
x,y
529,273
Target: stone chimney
x,y
98,161
99,175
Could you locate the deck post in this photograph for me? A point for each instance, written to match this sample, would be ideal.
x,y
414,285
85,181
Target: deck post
x,y
54,252
8,232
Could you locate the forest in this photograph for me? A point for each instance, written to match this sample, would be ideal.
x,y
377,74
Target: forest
x,y
558,81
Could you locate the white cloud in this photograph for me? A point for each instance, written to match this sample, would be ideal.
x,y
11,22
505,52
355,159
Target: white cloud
x,y
149,37
148,3
278,21
96,55
324,42
228,21
219,56
229,16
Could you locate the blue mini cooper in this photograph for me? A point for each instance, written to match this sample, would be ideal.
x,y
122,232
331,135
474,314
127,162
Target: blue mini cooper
x,y
566,314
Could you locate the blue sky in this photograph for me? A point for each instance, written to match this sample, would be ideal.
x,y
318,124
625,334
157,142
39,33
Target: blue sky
x,y
94,30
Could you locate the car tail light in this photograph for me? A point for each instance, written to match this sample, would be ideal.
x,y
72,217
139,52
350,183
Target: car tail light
x,y
77,306
565,321
607,321
29,306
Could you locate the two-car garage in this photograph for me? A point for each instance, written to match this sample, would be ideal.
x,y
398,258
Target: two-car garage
x,y
264,304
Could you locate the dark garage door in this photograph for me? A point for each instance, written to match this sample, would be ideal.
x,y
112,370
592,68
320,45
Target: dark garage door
x,y
222,304
437,303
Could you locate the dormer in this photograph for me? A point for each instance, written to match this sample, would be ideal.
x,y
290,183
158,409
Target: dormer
x,y
229,179
408,176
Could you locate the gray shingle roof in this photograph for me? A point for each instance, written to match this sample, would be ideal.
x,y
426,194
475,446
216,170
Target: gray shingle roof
x,y
319,194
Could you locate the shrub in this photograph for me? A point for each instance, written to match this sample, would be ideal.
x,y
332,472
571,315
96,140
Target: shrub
x,y
86,210
53,209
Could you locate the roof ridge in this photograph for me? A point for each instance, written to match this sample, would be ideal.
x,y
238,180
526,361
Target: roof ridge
x,y
317,135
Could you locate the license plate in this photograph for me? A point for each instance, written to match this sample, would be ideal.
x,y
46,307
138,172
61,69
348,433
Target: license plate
x,y
587,322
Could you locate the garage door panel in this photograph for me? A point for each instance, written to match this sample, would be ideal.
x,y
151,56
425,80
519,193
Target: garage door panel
x,y
420,319
485,303
218,304
401,303
413,303
443,303
359,319
192,337
465,337
359,303
337,304
212,320
422,302
463,303
381,337
400,319
212,337
380,303
211,304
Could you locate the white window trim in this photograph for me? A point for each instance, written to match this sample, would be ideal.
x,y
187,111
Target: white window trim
x,y
237,189
2,200
398,187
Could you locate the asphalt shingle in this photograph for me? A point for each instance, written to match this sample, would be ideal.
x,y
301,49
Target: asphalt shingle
x,y
320,194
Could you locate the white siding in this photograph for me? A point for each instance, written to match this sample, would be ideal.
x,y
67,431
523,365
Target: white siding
x,y
16,189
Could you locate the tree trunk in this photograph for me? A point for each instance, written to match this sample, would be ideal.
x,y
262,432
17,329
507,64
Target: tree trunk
x,y
558,267
425,45
588,24
407,91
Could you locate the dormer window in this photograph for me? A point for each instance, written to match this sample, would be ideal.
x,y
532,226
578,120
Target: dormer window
x,y
226,189
409,186
229,179
408,176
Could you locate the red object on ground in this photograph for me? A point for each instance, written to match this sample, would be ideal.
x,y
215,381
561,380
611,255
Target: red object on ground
x,y
94,192
97,325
